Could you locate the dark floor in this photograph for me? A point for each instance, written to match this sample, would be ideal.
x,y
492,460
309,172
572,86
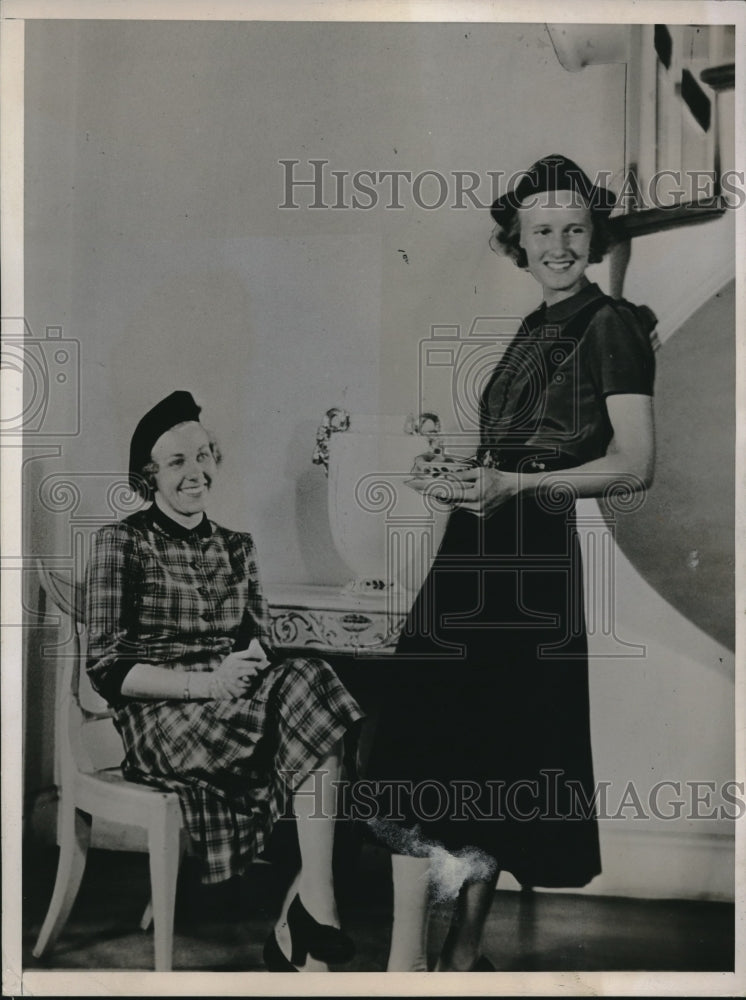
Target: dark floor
x,y
224,929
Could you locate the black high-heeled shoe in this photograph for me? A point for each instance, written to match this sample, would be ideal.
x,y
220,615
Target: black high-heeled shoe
x,y
321,941
483,964
480,964
274,958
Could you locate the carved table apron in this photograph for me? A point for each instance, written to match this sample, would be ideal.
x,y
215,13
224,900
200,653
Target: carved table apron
x,y
324,619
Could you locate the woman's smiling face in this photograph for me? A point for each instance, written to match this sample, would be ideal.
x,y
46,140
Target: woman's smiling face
x,y
186,467
556,233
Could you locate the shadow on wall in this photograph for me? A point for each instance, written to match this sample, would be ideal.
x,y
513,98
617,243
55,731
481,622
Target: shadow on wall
x,y
317,549
682,539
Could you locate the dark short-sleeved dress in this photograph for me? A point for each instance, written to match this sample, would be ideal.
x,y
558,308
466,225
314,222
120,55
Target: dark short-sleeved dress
x,y
483,738
159,593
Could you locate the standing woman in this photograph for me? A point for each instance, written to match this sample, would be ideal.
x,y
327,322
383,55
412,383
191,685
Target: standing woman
x,y
489,724
179,645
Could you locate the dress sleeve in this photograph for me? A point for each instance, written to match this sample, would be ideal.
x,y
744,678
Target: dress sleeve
x,y
619,351
110,616
256,621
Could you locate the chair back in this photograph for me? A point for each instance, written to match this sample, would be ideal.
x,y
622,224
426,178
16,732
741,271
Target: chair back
x,y
84,721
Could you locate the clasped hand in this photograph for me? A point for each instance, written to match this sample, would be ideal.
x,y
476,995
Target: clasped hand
x,y
479,490
235,674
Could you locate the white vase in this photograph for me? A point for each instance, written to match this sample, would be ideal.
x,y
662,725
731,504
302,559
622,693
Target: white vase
x,y
385,532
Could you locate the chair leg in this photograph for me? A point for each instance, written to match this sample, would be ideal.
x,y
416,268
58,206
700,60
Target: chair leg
x,y
164,843
147,918
75,837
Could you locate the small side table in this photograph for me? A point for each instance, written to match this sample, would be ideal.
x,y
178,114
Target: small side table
x,y
326,620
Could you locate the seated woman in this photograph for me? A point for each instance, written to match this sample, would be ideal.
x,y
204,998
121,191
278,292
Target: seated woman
x,y
179,645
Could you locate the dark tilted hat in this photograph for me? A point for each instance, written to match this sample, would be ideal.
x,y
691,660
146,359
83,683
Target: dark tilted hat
x,y
552,173
178,408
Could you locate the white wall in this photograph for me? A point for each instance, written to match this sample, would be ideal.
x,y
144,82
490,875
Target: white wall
x,y
667,715
154,237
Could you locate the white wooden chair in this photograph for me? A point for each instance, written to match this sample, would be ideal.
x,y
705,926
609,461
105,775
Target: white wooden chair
x,y
87,792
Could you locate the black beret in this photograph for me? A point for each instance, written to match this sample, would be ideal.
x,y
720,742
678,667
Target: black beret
x,y
178,408
552,173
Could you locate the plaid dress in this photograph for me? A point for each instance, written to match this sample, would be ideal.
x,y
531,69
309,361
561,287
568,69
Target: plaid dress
x,y
159,593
